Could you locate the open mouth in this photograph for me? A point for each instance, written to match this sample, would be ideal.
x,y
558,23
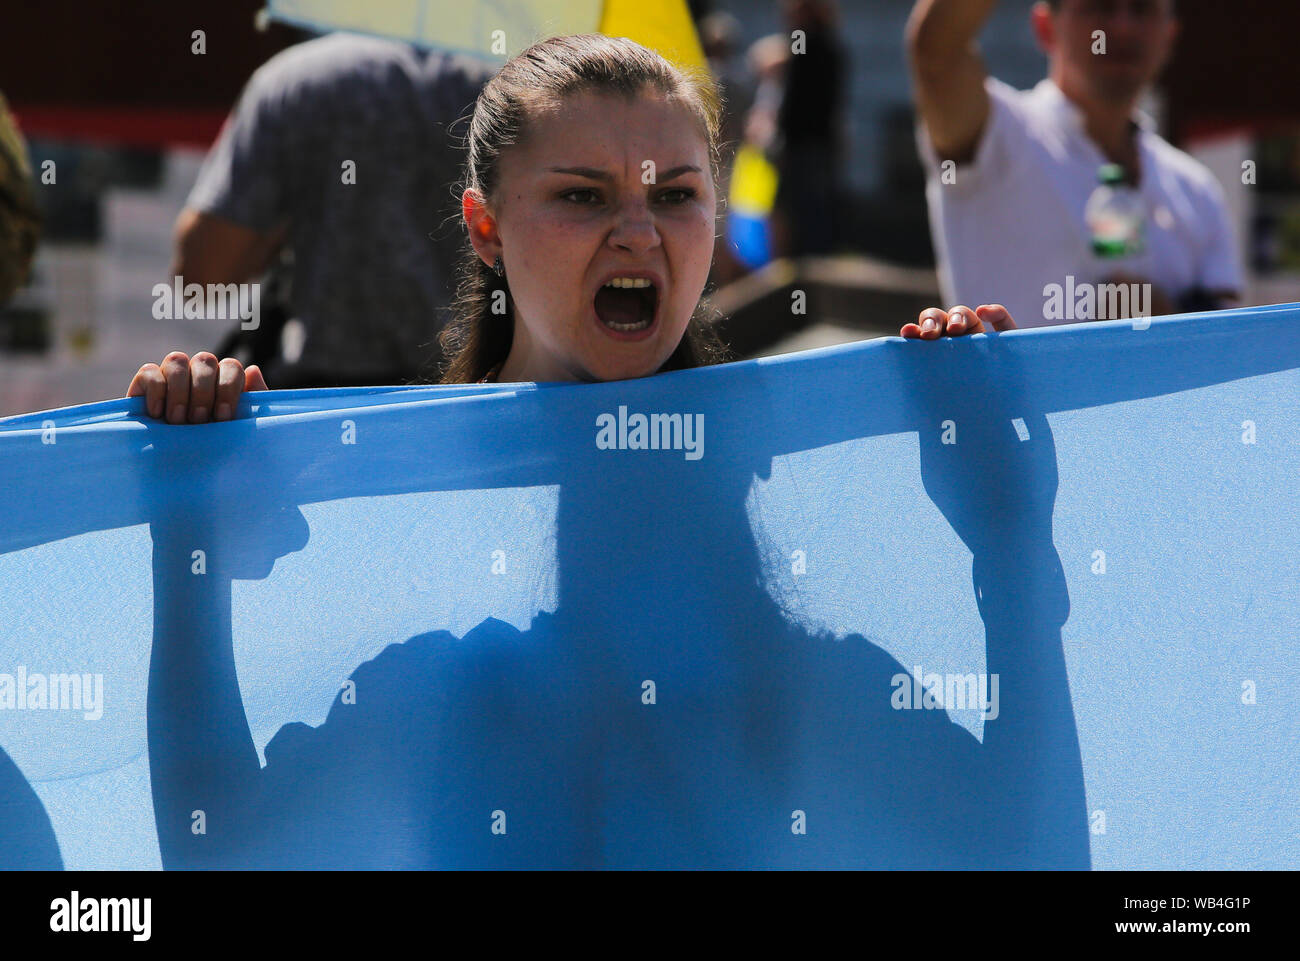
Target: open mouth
x,y
627,304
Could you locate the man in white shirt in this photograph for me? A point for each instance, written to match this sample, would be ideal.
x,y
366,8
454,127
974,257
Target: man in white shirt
x,y
1010,172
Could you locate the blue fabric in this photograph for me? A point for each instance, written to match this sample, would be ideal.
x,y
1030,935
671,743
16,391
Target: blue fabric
x,y
430,646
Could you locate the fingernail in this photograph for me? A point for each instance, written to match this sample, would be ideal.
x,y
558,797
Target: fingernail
x,y
155,408
200,414
929,324
223,412
178,414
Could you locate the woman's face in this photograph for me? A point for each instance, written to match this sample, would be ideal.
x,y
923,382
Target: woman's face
x,y
601,187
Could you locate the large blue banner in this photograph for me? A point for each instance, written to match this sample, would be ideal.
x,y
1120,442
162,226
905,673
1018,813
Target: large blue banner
x,y
1017,600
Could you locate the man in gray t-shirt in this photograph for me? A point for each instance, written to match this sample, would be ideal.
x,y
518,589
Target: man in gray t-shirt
x,y
339,149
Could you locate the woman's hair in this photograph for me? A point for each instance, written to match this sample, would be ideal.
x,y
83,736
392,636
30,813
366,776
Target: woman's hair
x,y
476,339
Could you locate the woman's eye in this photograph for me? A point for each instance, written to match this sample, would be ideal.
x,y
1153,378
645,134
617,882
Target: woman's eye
x,y
585,196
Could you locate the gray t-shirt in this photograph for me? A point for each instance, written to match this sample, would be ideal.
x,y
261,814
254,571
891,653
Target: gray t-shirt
x,y
369,284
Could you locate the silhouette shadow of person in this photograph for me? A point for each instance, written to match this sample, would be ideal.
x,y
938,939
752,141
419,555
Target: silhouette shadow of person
x,y
995,480
27,841
668,714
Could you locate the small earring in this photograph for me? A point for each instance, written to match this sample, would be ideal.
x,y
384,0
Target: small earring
x,y
498,268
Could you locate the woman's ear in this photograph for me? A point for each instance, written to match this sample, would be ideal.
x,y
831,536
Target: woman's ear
x,y
481,225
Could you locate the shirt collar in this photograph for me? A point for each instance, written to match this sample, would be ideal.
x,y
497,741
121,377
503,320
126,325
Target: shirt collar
x,y
1070,115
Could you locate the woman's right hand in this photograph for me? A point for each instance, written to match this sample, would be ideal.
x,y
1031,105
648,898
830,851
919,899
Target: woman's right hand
x,y
194,390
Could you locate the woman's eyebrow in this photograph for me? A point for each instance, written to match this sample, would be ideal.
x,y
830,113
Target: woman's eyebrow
x,y
591,173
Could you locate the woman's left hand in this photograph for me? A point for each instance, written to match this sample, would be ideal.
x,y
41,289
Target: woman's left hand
x,y
934,323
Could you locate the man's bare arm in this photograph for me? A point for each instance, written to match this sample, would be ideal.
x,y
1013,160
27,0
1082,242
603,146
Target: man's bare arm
x,y
948,73
213,250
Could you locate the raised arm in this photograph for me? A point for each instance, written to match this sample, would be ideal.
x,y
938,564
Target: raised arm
x,y
948,74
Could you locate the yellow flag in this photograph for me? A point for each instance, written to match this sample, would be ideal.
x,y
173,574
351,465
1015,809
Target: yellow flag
x,y
753,183
662,25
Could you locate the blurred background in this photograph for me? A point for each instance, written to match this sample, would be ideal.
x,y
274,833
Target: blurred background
x,y
125,110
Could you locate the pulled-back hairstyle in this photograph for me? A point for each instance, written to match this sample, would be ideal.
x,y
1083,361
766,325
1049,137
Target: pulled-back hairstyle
x,y
475,339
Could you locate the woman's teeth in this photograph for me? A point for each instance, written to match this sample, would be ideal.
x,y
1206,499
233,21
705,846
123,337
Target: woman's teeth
x,y
648,308
639,325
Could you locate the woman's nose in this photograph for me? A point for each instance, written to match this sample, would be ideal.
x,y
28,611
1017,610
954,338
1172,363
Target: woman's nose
x,y
634,228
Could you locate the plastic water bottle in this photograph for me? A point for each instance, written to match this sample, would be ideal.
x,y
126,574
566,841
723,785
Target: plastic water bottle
x,y
1115,215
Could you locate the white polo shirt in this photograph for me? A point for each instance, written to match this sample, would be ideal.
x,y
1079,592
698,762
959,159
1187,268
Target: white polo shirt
x,y
1012,222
